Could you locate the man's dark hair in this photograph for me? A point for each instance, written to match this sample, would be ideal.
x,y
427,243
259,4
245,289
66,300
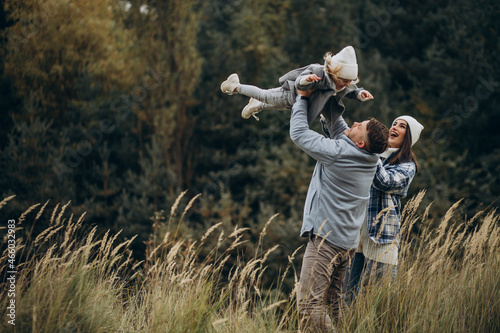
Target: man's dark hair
x,y
378,137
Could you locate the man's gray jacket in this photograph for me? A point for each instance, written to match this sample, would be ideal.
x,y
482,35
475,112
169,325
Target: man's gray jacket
x,y
340,184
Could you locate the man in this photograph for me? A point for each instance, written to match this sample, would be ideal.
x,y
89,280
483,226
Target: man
x,y
335,206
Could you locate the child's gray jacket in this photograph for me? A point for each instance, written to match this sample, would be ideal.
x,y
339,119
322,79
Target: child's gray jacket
x,y
324,96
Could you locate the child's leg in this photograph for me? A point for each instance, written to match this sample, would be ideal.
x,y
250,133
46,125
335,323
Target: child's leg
x,y
255,106
279,98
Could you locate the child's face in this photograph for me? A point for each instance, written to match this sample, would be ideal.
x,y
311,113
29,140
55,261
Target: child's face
x,y
341,83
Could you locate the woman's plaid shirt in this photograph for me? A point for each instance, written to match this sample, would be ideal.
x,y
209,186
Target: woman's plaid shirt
x,y
390,184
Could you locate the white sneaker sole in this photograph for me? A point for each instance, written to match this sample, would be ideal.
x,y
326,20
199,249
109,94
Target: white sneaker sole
x,y
251,109
228,86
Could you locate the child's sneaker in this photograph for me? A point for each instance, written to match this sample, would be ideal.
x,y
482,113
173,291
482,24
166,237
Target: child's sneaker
x,y
232,82
251,109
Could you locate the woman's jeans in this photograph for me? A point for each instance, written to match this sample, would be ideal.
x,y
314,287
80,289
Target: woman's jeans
x,y
361,271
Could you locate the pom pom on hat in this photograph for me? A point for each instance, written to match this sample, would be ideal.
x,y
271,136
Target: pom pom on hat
x,y
347,59
415,127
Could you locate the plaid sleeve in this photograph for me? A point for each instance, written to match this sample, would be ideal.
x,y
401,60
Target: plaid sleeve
x,y
394,179
383,217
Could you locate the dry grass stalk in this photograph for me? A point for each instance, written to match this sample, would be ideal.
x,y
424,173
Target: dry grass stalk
x,y
176,204
274,305
237,231
165,238
68,232
321,227
80,221
43,263
246,271
190,204
221,238
222,263
458,241
209,231
104,242
154,251
42,234
290,262
4,201
480,238
263,232
426,213
52,233
173,252
23,215
409,217
41,210
61,213
233,277
52,218
384,220
268,252
332,262
410,209
89,245
236,243
110,244
494,241
253,274
205,271
261,274
257,291
442,227
190,257
323,239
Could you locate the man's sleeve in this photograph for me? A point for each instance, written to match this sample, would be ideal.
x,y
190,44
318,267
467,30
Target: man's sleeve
x,y
335,129
322,149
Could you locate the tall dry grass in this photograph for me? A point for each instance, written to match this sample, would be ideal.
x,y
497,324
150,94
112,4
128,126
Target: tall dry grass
x,y
72,280
448,278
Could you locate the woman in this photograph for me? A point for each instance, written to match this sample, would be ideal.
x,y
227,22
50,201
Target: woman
x,y
377,253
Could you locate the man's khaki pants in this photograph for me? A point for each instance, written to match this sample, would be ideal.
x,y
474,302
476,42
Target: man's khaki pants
x,y
321,277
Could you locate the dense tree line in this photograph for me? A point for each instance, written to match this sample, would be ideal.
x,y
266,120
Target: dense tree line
x,y
115,105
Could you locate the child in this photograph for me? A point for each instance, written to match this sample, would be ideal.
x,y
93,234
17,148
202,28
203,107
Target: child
x,y
332,81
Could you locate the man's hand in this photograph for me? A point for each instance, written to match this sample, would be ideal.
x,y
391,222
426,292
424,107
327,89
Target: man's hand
x,y
305,93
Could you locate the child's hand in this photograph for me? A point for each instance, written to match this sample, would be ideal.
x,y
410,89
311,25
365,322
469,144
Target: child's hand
x,y
365,95
312,78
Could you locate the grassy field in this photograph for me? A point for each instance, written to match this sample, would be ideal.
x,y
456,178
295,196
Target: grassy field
x,y
73,281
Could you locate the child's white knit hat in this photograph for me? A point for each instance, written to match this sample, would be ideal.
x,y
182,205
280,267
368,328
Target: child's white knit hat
x,y
347,58
415,127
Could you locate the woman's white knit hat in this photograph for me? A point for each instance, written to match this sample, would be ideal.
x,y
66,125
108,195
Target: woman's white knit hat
x,y
347,59
415,127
